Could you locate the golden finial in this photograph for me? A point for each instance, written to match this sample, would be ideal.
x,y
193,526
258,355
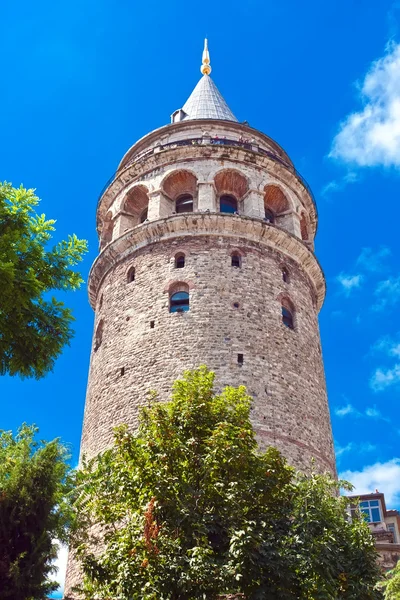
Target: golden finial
x,y
206,67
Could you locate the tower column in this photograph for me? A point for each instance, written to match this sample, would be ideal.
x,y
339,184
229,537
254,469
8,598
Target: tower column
x,y
289,221
159,205
123,222
253,204
206,199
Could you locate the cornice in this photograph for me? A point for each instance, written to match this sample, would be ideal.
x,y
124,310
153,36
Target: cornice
x,y
207,224
171,128
139,170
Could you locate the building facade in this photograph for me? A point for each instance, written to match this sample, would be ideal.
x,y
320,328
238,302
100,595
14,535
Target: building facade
x,y
384,525
207,257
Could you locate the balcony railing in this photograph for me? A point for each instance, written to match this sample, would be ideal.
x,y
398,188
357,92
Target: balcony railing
x,y
207,141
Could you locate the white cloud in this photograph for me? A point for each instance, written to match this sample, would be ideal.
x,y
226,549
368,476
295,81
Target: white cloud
x,y
61,564
351,447
349,282
372,261
384,378
387,345
371,137
371,412
374,413
367,447
384,477
342,411
387,293
395,350
340,450
337,185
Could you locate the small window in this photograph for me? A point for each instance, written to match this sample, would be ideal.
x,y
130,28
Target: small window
x,y
236,260
236,305
179,302
269,216
131,275
303,227
240,359
370,508
179,261
392,528
99,335
151,324
122,371
143,216
285,275
228,204
184,204
287,317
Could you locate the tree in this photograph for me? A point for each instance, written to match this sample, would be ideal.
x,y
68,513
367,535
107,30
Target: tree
x,y
34,481
34,327
391,585
189,508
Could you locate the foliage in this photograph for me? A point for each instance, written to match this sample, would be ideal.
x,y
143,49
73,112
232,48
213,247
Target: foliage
x,y
34,481
336,557
391,585
189,508
34,327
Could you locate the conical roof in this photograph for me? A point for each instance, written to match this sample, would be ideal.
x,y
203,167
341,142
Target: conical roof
x,y
206,102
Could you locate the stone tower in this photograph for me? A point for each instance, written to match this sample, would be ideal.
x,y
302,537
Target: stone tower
x,y
207,257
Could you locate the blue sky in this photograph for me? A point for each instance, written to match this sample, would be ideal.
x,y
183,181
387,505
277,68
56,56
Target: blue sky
x,y
81,81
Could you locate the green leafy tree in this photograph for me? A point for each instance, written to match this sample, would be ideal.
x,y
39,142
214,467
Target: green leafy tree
x,y
189,508
34,482
34,327
391,585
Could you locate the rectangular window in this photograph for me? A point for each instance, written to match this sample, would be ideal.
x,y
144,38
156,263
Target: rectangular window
x,y
392,528
240,359
371,510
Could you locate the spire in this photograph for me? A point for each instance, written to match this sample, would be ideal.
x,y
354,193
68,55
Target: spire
x,y
206,67
205,102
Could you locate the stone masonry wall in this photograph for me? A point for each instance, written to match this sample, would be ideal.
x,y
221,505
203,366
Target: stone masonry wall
x,y
282,367
138,345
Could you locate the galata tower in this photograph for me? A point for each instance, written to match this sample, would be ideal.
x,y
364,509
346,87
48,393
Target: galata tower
x,y
207,257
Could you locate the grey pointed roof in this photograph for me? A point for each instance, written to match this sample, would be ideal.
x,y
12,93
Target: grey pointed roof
x,y
206,102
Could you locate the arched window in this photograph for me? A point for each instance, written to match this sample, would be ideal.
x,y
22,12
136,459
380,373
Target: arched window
x,y
179,302
184,204
269,216
135,206
287,318
275,199
303,227
285,275
98,338
287,313
179,261
231,183
236,260
131,275
228,204
180,187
